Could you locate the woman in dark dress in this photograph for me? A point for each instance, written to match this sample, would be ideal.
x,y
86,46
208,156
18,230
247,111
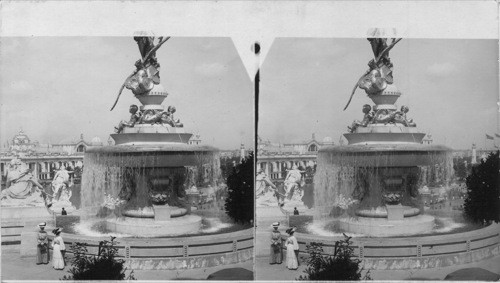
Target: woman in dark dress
x,y
42,249
276,251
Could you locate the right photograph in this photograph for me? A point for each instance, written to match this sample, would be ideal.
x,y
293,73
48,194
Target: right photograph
x,y
378,159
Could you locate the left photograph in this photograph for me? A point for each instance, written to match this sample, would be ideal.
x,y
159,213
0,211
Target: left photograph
x,y
126,158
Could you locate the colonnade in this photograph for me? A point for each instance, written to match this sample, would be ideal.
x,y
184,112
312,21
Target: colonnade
x,y
276,168
42,167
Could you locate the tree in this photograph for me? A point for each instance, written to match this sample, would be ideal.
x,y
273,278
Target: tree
x,y
103,266
239,202
342,265
482,204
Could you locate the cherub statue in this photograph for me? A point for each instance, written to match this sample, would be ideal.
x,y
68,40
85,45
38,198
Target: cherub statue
x,y
367,109
134,118
407,122
167,117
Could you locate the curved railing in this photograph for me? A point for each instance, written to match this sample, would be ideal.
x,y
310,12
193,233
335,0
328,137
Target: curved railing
x,y
175,253
416,252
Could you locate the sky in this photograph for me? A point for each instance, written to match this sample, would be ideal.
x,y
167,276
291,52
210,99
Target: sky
x,y
56,88
450,86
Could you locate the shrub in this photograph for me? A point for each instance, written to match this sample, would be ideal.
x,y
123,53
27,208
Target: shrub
x,y
103,266
482,204
342,265
240,197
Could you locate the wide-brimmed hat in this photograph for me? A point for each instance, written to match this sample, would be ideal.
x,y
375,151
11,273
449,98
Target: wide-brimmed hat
x,y
291,230
43,224
57,230
276,224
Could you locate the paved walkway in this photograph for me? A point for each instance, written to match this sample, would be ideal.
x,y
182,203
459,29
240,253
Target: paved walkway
x,y
265,271
16,268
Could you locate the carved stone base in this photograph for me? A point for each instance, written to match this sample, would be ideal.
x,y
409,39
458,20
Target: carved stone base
x,y
162,212
395,212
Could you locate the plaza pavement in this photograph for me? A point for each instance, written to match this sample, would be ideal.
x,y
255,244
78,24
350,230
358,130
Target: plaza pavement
x,y
266,271
16,268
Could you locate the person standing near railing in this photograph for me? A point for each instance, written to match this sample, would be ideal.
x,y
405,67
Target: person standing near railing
x,y
276,256
42,248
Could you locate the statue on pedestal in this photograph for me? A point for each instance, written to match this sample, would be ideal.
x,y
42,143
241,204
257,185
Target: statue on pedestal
x,y
147,72
61,192
22,187
293,182
376,79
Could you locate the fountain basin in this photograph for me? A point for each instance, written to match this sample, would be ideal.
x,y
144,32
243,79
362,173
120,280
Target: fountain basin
x,y
382,227
142,137
385,155
148,227
382,213
153,155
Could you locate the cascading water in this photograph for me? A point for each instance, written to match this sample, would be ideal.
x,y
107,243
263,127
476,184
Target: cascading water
x,y
371,186
148,183
343,175
110,173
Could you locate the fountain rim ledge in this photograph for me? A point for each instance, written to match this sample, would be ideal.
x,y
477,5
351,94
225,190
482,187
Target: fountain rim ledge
x,y
385,147
146,147
422,239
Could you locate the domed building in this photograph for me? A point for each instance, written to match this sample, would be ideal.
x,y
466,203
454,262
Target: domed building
x,y
96,141
22,143
44,159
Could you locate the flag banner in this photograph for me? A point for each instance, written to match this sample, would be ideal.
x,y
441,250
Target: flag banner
x,y
489,137
497,135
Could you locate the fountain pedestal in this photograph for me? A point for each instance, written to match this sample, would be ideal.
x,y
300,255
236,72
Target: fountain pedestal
x,y
162,212
395,212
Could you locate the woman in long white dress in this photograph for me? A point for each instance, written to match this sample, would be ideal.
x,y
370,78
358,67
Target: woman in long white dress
x,y
58,249
291,246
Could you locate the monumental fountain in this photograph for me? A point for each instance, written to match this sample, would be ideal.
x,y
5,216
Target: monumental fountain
x,y
145,188
373,181
371,187
149,176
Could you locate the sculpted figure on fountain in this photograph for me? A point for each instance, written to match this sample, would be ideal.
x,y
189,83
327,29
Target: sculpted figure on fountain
x,y
167,117
134,118
367,119
407,122
382,116
379,75
147,72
